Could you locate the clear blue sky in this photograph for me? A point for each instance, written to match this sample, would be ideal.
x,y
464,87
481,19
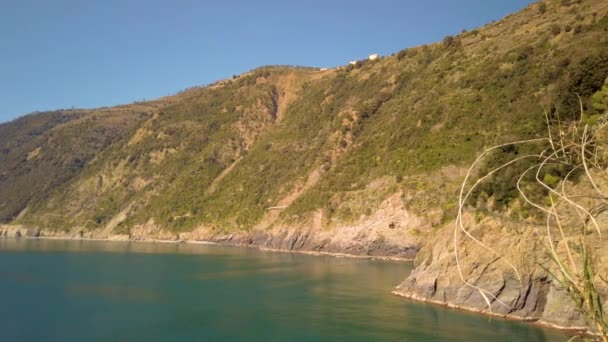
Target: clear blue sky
x,y
84,54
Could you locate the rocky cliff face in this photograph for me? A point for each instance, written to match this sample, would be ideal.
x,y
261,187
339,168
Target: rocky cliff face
x,y
387,233
512,275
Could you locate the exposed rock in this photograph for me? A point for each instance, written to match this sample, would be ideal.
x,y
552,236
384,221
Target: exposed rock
x,y
370,236
17,231
150,230
529,293
318,241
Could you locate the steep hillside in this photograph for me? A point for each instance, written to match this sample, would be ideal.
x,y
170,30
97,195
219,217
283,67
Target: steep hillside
x,y
362,159
41,152
284,148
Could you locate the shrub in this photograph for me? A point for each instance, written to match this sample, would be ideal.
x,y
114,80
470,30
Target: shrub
x,y
557,211
448,41
402,54
599,100
583,79
555,29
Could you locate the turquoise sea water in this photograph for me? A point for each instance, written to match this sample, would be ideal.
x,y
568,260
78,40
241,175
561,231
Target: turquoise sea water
x,y
56,290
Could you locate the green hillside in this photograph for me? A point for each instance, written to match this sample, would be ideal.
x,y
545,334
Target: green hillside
x,y
337,142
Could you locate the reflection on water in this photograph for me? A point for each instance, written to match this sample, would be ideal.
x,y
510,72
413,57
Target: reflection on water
x,y
96,290
112,292
89,246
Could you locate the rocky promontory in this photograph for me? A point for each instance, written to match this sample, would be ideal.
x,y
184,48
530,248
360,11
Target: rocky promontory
x,y
512,273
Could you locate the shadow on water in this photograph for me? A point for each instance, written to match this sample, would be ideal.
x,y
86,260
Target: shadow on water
x,y
97,290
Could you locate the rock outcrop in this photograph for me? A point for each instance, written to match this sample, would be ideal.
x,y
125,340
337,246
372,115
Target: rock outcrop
x,y
17,231
313,241
525,291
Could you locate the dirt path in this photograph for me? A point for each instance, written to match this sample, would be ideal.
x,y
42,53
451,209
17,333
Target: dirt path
x,y
211,189
272,215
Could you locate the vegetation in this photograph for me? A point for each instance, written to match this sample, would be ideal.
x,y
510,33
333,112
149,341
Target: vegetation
x,y
43,151
341,141
219,156
568,168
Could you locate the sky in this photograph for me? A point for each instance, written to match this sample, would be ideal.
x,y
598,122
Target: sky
x,y
86,54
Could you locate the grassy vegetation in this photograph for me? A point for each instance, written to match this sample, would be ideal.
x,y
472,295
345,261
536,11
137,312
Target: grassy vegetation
x,y
561,182
400,118
41,152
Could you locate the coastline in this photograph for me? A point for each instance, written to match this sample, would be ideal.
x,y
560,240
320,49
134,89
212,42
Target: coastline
x,y
351,242
535,321
206,242
222,241
575,331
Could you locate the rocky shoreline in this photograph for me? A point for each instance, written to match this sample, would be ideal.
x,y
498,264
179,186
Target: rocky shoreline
x,y
578,330
528,294
308,242
532,298
294,242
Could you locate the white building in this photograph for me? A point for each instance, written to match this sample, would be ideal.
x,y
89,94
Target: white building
x,y
373,57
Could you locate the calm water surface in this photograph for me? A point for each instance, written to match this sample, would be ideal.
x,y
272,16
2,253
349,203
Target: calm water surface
x,y
117,291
